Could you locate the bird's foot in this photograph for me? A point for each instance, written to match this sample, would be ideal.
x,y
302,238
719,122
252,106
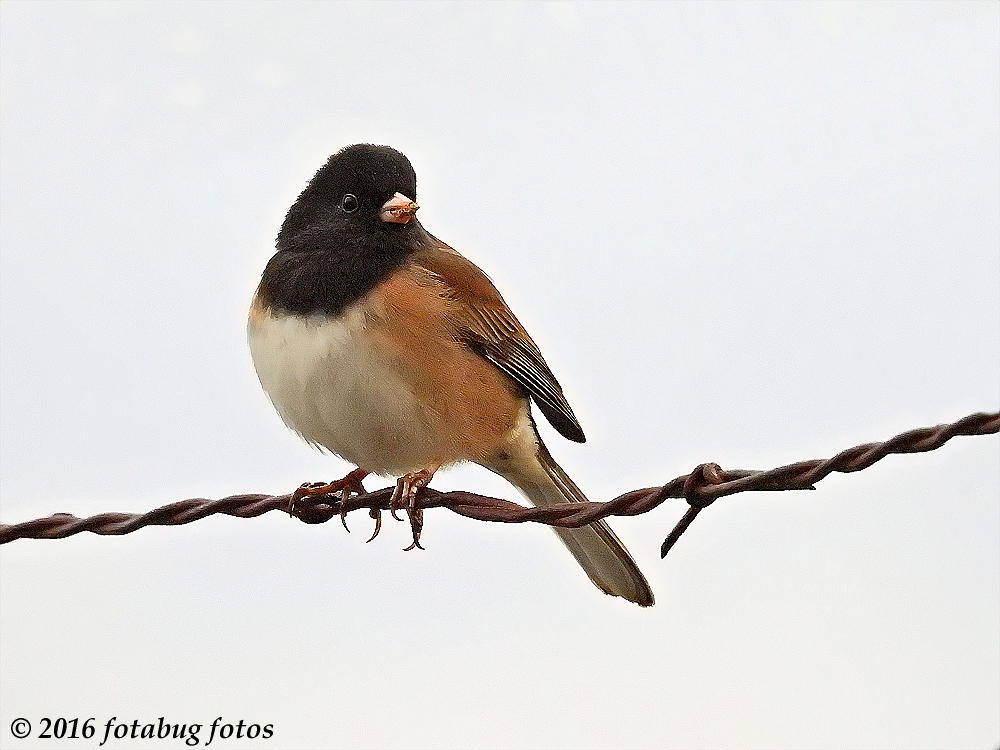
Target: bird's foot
x,y
349,485
404,497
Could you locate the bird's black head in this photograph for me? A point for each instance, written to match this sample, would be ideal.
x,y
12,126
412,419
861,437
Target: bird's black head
x,y
351,227
362,189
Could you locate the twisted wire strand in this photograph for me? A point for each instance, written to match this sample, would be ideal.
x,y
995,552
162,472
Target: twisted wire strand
x,y
703,486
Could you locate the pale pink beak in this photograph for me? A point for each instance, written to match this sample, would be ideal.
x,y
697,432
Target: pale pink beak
x,y
398,209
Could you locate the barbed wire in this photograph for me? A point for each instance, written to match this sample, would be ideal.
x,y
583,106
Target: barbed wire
x,y
703,486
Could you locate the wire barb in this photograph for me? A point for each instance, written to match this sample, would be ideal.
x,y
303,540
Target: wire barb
x,y
702,487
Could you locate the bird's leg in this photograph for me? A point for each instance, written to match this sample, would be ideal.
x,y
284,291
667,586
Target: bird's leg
x,y
405,497
349,485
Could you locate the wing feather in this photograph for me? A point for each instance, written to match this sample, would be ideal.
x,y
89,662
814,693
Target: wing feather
x,y
486,324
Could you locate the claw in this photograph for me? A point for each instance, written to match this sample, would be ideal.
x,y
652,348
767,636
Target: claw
x,y
416,526
343,509
404,497
377,515
397,494
353,487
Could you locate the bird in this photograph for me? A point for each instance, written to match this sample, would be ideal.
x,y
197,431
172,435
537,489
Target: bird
x,y
378,342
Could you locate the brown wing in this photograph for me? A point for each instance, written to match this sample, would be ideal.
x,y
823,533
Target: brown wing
x,y
487,326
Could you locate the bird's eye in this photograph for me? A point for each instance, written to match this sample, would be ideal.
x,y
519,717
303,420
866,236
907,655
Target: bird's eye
x,y
349,203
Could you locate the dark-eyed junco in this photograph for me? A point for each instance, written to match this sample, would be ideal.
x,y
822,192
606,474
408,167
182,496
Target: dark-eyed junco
x,y
380,343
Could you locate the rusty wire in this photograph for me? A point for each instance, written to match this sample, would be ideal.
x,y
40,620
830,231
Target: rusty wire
x,y
703,486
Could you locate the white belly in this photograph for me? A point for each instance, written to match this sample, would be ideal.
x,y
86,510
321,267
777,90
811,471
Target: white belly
x,y
333,387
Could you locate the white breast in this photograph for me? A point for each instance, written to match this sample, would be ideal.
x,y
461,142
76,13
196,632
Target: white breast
x,y
336,389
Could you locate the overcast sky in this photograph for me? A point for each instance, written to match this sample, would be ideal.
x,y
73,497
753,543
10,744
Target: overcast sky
x,y
743,233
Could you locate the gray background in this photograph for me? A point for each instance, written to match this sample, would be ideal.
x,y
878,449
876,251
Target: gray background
x,y
748,233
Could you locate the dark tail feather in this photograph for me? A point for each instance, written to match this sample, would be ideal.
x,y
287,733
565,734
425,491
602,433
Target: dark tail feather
x,y
595,546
